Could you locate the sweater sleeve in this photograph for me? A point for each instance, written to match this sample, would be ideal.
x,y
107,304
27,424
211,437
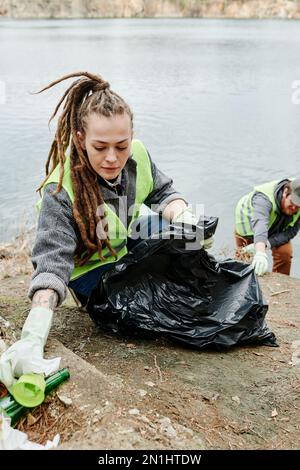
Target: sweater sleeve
x,y
262,207
163,191
55,244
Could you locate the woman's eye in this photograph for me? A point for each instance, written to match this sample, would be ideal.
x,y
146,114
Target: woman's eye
x,y
99,149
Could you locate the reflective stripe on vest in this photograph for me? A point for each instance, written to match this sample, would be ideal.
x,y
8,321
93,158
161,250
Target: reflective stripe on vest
x,y
244,209
116,229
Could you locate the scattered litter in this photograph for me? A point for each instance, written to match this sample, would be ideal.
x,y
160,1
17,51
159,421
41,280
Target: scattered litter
x,y
146,368
215,396
296,353
126,431
82,407
258,354
150,384
64,399
142,392
167,428
134,411
274,413
236,399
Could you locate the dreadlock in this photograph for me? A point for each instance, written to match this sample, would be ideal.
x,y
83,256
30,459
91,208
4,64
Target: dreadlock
x,y
86,95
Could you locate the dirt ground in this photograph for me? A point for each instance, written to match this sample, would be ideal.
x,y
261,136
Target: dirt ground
x,y
154,395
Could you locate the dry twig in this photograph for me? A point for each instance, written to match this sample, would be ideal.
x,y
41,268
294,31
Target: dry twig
x,y
158,368
280,292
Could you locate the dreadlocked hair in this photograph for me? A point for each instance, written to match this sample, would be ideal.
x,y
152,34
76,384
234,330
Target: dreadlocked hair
x,y
86,95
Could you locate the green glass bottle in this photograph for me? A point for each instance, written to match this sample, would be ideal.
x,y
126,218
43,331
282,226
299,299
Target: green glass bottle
x,y
15,411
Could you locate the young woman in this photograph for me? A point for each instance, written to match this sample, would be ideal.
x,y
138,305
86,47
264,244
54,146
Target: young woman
x,y
97,177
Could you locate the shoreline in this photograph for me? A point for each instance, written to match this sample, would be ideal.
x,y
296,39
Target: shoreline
x,y
156,18
151,9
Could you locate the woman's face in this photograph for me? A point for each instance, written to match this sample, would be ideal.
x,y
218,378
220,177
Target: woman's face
x,y
107,141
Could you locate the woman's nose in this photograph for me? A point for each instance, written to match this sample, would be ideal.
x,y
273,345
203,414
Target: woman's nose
x,y
111,155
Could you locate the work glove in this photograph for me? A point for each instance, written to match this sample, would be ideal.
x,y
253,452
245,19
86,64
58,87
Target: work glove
x,y
26,355
250,249
260,263
187,217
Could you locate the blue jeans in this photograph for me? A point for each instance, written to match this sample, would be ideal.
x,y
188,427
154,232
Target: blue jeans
x,y
146,226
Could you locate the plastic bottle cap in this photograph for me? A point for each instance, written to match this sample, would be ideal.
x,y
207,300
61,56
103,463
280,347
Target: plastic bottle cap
x,y
29,390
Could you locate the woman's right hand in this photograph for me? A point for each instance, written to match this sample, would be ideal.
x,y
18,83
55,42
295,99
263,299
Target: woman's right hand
x,y
26,355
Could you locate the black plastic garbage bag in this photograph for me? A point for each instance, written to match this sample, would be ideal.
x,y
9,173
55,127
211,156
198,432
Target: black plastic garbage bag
x,y
162,288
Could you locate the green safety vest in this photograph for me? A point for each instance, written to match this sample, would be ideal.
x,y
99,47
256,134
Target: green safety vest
x,y
116,230
244,209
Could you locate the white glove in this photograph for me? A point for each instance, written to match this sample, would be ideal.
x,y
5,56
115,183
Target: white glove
x,y
260,263
187,217
26,355
250,249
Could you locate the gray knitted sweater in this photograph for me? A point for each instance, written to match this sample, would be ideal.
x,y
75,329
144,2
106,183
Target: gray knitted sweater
x,y
58,235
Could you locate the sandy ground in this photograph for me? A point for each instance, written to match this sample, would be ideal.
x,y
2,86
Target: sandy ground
x,y
154,395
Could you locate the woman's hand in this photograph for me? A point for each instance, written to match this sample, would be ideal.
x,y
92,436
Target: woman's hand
x,y
26,355
186,216
175,209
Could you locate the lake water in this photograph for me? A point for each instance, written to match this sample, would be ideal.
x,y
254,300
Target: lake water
x,y
213,100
